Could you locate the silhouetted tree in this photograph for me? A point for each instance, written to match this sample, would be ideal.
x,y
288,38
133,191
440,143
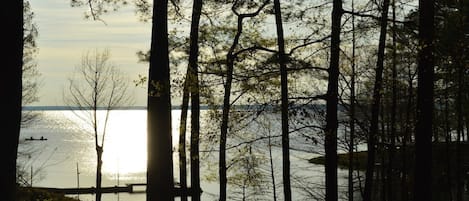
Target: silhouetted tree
x,y
97,8
195,99
332,123
29,94
10,88
392,136
182,136
352,111
191,87
230,62
282,60
378,86
160,184
97,85
423,130
230,59
30,71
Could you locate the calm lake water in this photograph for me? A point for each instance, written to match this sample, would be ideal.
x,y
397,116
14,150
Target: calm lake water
x,y
69,148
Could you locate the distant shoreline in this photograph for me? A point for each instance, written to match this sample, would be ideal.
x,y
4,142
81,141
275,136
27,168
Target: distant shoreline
x,y
174,107
39,108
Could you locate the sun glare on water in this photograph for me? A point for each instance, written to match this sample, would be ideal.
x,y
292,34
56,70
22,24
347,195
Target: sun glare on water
x,y
125,148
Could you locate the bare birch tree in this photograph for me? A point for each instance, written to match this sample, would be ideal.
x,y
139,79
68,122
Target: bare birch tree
x,y
97,88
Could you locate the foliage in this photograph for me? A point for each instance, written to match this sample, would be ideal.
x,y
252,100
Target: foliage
x,y
30,71
29,94
256,79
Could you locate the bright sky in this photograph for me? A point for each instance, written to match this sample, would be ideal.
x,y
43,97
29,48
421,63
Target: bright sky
x,y
64,35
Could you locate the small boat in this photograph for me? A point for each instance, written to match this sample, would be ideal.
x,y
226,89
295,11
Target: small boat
x,y
31,138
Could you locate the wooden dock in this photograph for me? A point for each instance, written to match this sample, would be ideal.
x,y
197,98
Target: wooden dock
x,y
90,190
129,188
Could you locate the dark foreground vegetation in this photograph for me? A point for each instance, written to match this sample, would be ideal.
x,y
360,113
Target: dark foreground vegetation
x,y
391,74
444,163
343,161
31,194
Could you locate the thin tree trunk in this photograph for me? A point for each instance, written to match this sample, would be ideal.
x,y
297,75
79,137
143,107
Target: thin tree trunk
x,y
195,100
272,173
459,101
160,184
10,88
230,59
352,113
191,87
382,150
448,142
182,137
226,111
331,105
376,102
423,132
360,183
224,130
195,133
99,149
99,175
460,129
408,131
284,103
392,147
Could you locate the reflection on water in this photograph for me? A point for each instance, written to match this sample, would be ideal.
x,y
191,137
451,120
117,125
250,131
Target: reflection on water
x,y
70,147
70,150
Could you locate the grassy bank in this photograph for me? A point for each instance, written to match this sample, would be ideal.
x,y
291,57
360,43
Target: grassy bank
x,y
359,159
28,194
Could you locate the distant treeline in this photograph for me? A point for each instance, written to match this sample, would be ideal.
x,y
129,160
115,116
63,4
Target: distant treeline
x,y
177,107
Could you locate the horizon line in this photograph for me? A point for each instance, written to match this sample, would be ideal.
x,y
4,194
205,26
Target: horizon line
x,y
139,107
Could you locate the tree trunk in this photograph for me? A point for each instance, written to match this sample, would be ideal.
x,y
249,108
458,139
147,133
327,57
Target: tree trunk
x,y
284,103
408,131
423,132
182,137
460,132
352,113
195,100
392,137
375,105
331,105
230,59
447,141
226,111
460,129
99,149
99,175
224,130
460,66
160,184
272,173
382,150
10,88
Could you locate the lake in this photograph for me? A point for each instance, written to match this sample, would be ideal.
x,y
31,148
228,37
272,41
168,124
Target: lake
x,y
69,150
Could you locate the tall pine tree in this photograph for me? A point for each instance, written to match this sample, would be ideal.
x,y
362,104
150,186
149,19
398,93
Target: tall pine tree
x,y
160,164
423,132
